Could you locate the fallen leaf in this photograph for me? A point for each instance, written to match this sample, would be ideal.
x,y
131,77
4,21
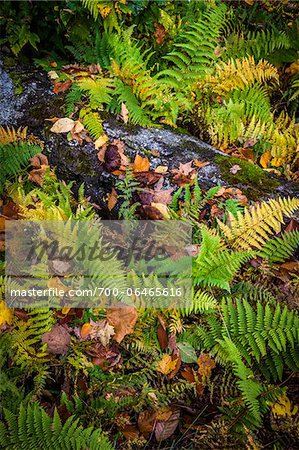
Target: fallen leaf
x,y
63,125
38,160
265,159
123,319
166,364
186,169
247,153
103,139
292,266
131,432
276,162
187,352
161,169
283,407
234,169
146,421
162,208
162,334
102,330
85,330
205,365
6,314
53,75
163,196
141,164
200,164
62,86
160,33
112,199
124,113
65,310
58,340
165,428
112,158
37,175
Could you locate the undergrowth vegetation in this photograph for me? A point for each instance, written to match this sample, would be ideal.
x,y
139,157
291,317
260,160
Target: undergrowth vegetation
x,y
220,372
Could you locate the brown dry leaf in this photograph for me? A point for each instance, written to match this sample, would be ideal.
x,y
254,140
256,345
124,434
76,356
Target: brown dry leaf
x,y
162,334
166,364
162,208
247,153
124,113
163,196
265,159
62,86
37,175
38,160
146,421
141,164
165,428
160,33
58,340
112,199
205,365
2,223
186,169
161,169
123,319
85,330
292,266
131,432
63,125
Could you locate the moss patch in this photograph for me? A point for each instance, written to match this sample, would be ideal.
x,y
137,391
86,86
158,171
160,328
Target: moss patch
x,y
250,176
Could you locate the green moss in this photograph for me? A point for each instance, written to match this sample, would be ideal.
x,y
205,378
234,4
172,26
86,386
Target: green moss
x,y
251,177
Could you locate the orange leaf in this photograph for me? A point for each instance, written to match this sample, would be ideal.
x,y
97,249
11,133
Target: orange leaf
x,y
61,86
85,330
141,164
112,199
123,318
265,159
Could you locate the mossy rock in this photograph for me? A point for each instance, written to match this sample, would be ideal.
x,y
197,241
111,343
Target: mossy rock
x,y
253,180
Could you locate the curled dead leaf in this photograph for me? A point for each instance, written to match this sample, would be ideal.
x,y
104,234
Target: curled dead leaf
x,y
58,340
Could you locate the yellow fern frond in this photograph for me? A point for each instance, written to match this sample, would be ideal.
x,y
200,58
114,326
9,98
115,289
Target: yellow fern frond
x,y
240,73
9,135
40,212
253,228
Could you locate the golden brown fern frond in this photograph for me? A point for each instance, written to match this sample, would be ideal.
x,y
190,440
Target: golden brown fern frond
x,y
240,73
9,135
253,228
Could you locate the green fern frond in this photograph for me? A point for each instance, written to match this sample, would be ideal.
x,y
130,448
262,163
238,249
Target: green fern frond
x,y
32,428
98,90
92,122
266,338
214,265
279,249
14,157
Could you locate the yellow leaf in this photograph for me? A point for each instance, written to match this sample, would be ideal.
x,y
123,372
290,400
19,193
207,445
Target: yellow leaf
x,y
283,407
276,162
5,314
166,365
112,199
162,208
161,169
101,141
124,113
265,159
65,310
